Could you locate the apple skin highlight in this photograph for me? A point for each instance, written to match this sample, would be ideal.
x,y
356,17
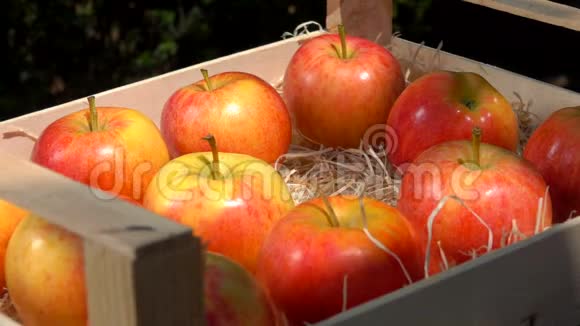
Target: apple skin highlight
x,y
245,114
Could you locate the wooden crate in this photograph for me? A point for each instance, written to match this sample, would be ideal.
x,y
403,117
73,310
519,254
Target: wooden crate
x,y
534,282
541,10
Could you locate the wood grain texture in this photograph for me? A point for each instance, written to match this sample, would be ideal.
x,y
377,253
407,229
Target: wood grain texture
x,y
79,208
370,19
160,286
540,10
141,269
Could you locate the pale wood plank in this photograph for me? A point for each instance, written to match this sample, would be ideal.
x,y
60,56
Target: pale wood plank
x,y
541,10
77,207
370,19
141,269
147,291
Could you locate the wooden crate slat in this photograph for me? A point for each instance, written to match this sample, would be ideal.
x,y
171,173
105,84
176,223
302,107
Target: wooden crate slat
x,y
540,10
370,19
533,282
78,207
149,297
136,275
141,269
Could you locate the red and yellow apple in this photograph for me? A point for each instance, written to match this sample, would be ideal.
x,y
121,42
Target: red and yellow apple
x,y
318,250
46,282
501,193
45,274
113,149
230,200
443,106
10,216
244,112
338,87
554,149
233,297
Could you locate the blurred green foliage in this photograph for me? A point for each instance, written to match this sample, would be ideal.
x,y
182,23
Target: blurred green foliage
x,y
409,16
59,50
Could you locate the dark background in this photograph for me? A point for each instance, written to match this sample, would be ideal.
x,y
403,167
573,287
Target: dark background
x,y
59,50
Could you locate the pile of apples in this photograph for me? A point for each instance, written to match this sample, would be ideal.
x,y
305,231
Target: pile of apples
x,y
269,261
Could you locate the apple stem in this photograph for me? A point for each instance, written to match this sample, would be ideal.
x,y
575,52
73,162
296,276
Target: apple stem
x,y
205,74
330,214
342,34
93,118
215,171
475,142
